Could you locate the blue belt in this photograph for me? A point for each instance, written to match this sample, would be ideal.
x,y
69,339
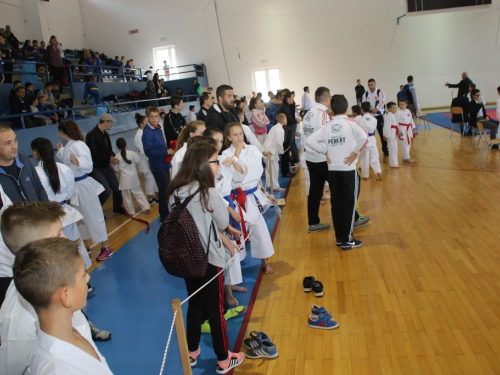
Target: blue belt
x,y
62,203
232,222
250,191
81,177
371,134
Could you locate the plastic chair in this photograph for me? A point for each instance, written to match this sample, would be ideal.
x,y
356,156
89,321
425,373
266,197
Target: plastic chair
x,y
487,143
457,117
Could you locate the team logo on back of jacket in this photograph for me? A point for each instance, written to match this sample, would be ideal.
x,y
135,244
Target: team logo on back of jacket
x,y
336,140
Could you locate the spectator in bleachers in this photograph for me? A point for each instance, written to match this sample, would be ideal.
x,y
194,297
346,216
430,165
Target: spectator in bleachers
x,y
88,60
128,71
13,93
156,82
99,143
11,37
34,43
20,106
42,49
33,103
204,106
6,54
43,106
28,52
196,88
61,103
191,116
29,90
122,60
179,92
90,91
53,59
166,68
117,64
97,67
174,120
150,86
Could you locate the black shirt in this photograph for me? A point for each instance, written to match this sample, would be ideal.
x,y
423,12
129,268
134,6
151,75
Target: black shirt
x,y
100,147
177,120
360,90
13,170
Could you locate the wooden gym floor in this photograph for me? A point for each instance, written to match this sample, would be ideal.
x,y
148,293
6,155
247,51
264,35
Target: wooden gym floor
x,y
421,296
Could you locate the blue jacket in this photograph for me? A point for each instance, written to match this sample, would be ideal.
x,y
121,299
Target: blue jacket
x,y
89,87
155,148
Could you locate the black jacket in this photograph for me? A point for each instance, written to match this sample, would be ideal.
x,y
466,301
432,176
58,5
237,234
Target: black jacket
x,y
177,120
463,102
216,118
474,108
18,106
28,187
285,109
100,147
202,114
463,86
360,90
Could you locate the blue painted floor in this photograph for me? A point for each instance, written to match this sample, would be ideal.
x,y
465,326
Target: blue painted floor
x,y
132,299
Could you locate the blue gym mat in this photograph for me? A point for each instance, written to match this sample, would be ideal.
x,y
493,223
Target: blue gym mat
x,y
132,300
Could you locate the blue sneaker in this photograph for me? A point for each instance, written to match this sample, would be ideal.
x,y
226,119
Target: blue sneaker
x,y
348,245
338,242
322,322
319,310
255,339
266,350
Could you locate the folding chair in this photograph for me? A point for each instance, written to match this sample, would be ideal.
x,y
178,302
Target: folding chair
x,y
457,117
487,143
423,117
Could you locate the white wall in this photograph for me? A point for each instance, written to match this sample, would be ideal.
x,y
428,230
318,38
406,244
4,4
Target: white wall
x,y
63,19
332,43
107,22
11,13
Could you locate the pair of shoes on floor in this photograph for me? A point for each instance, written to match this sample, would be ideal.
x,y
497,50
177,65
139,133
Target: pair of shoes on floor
x,y
362,220
104,254
99,334
321,319
348,245
153,201
230,314
259,345
310,284
318,227
233,360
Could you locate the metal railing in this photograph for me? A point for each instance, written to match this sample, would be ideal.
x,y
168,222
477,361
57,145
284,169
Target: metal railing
x,y
106,104
127,73
17,63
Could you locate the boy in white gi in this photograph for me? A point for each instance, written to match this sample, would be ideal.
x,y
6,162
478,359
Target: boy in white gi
x,y
274,145
406,125
17,316
391,134
369,156
51,276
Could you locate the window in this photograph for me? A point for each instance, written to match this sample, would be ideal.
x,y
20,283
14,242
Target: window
x,y
265,80
165,53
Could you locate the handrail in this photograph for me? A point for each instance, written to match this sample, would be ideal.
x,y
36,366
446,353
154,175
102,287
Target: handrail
x,y
22,62
102,104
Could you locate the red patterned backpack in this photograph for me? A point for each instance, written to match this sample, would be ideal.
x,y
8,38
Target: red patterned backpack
x,y
181,251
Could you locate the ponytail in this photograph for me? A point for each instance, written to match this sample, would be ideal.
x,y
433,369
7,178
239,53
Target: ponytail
x,y
121,144
46,152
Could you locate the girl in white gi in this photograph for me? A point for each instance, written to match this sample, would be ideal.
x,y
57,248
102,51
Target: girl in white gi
x,y
129,180
143,166
406,125
259,119
274,145
76,155
59,183
230,169
194,129
369,156
249,196
391,128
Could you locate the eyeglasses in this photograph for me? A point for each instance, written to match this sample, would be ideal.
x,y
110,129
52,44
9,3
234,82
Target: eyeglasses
x,y
214,161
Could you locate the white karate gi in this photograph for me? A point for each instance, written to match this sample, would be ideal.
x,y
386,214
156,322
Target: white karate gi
x,y
6,256
54,356
274,144
70,228
18,332
405,123
262,246
252,138
369,156
223,183
151,187
177,159
391,129
86,198
129,182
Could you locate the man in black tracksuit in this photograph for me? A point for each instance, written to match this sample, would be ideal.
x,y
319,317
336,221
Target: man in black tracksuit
x,y
222,113
102,153
174,120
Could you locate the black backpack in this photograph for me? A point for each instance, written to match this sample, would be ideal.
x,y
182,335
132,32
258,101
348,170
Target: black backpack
x,y
181,251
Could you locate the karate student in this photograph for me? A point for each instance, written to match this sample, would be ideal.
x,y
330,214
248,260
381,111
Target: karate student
x,y
376,97
229,169
51,276
314,163
24,222
143,167
194,129
341,141
262,245
76,155
369,156
391,134
129,180
274,146
404,119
